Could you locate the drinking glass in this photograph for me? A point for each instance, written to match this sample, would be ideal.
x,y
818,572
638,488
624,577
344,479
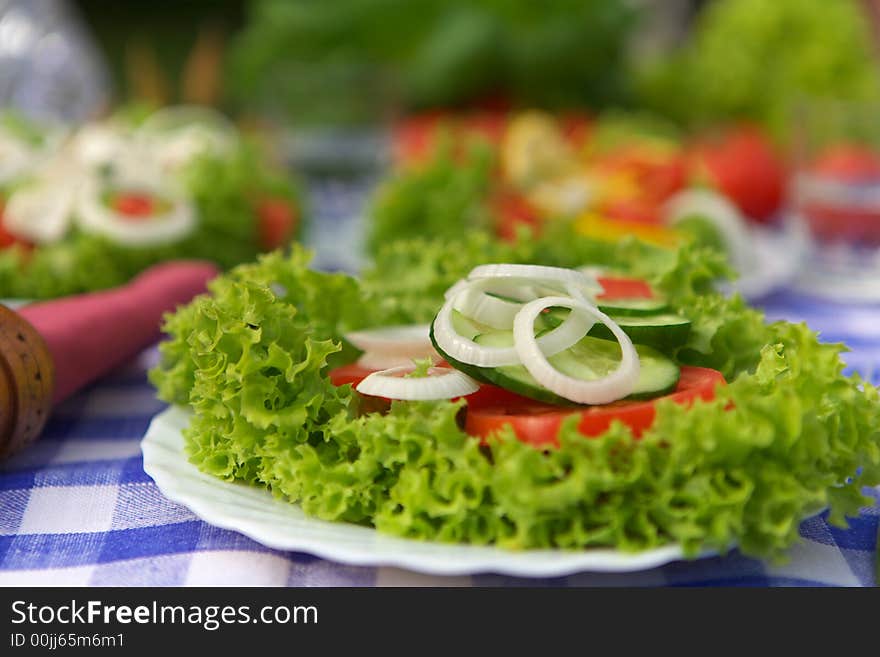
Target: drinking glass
x,y
835,198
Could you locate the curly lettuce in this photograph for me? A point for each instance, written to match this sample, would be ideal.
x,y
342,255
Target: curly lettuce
x,y
445,198
789,436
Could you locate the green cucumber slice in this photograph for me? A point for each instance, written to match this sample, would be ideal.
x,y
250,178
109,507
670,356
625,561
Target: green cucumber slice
x,y
465,327
633,307
664,332
590,358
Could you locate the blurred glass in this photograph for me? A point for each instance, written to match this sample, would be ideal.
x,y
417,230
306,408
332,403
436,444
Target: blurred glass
x,y
835,197
49,66
334,118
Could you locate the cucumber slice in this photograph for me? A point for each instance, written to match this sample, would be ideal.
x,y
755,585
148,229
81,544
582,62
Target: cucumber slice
x,y
633,307
663,332
590,358
465,327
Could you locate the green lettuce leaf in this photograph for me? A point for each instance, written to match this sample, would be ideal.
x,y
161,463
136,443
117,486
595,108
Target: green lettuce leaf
x,y
445,198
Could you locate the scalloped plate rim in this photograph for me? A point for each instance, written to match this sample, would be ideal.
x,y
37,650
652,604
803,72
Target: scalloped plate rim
x,y
182,482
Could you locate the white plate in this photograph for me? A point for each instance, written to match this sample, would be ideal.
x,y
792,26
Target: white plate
x,y
255,513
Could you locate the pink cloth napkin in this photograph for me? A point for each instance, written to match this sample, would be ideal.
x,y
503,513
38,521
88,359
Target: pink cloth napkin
x,y
90,334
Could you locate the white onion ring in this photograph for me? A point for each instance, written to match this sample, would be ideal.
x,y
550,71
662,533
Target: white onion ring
x,y
465,350
474,302
617,385
407,340
171,226
372,360
540,274
441,383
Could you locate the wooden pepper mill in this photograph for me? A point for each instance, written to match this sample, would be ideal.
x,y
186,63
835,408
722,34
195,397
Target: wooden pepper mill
x,y
49,350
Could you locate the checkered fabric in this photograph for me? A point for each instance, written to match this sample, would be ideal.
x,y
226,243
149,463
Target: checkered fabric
x,y
78,509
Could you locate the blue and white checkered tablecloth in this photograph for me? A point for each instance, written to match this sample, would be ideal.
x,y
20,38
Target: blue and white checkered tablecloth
x,y
77,508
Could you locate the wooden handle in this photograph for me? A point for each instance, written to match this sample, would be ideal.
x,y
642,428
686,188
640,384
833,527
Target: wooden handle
x,y
27,382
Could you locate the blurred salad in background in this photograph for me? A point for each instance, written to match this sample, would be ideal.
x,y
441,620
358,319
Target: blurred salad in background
x,y
90,207
616,174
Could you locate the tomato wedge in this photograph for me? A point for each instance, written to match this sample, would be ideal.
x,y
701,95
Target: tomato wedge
x,y
624,288
538,424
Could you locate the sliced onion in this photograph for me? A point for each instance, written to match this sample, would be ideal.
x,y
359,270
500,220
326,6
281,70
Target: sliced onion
x,y
171,226
475,302
175,135
465,350
42,212
99,144
394,340
617,385
456,288
441,383
16,157
372,360
572,281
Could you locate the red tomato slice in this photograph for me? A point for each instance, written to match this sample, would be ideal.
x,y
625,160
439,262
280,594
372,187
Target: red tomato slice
x,y
134,205
745,166
538,424
491,407
277,220
352,373
624,288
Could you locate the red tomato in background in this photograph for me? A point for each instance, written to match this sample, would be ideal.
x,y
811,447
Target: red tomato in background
x,y
577,128
654,174
413,137
7,239
511,210
538,424
134,205
277,222
743,164
657,172
638,210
